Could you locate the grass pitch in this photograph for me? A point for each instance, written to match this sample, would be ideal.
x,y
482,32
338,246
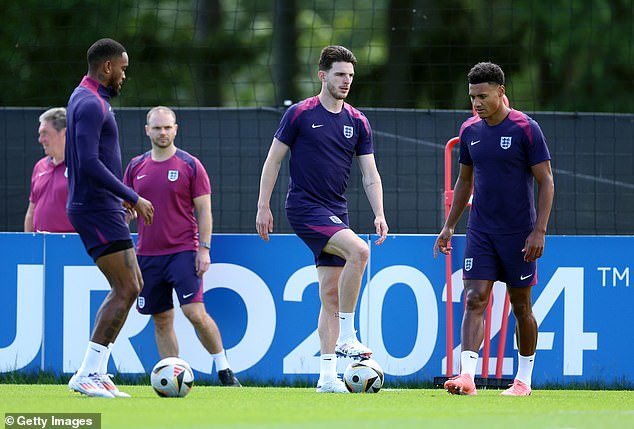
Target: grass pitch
x,y
281,407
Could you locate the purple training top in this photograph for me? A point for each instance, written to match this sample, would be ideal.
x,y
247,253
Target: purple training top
x,y
93,155
322,146
171,185
502,156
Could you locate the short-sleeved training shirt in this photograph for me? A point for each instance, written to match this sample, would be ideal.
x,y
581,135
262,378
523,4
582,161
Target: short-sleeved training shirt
x,y
171,186
322,146
502,156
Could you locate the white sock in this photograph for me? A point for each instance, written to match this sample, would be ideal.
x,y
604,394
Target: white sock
x,y
327,368
220,359
468,363
525,369
346,325
92,359
103,366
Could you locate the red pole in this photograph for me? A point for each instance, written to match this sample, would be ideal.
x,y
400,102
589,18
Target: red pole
x,y
486,350
448,264
502,337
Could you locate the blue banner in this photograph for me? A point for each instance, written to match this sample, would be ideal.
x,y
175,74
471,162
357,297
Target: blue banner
x,y
264,298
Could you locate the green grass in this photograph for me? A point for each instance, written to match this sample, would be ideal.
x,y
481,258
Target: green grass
x,y
287,407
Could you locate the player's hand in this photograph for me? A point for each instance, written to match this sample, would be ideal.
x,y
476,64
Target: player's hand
x,y
442,243
264,222
381,229
145,209
130,213
534,246
203,260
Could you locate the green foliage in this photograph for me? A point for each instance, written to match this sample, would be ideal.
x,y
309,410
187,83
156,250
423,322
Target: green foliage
x,y
558,55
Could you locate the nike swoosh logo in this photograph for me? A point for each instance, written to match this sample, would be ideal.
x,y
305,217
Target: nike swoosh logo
x,y
474,142
42,173
317,125
525,277
141,176
187,295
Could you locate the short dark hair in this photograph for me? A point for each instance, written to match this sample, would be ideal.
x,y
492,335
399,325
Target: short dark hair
x,y
335,54
103,50
486,72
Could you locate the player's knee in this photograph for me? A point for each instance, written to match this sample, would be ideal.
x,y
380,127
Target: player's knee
x,y
162,324
330,297
476,301
522,309
197,315
360,255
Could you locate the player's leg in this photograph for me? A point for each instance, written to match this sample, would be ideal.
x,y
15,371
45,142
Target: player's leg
x,y
520,276
477,294
328,329
526,333
180,273
480,262
166,341
210,338
315,225
122,272
106,237
348,246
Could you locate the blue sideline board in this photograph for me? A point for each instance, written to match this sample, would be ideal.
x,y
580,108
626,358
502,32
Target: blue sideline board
x,y
264,297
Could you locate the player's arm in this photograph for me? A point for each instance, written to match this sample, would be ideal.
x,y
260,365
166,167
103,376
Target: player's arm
x,y
461,194
270,171
88,128
28,218
205,225
534,247
374,191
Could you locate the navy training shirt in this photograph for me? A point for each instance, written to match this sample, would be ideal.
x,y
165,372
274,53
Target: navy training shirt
x,y
502,156
322,146
93,154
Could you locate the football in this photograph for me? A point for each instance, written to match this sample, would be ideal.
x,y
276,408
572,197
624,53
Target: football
x,y
364,376
172,377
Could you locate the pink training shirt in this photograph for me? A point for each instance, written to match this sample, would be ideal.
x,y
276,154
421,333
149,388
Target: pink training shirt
x,y
171,186
49,192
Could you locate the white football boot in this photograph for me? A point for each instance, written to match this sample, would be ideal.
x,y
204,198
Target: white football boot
x,y
89,385
332,386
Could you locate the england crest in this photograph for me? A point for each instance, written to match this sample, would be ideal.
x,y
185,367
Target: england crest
x,y
505,142
468,264
335,219
348,131
141,301
172,175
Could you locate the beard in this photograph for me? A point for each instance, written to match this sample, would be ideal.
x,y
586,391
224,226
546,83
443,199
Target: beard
x,y
334,92
114,91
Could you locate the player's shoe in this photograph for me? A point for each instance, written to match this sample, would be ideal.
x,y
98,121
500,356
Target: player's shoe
x,y
228,378
518,388
89,385
461,385
333,386
352,348
107,382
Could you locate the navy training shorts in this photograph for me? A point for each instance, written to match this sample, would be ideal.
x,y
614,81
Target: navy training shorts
x,y
102,231
498,257
315,225
165,273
